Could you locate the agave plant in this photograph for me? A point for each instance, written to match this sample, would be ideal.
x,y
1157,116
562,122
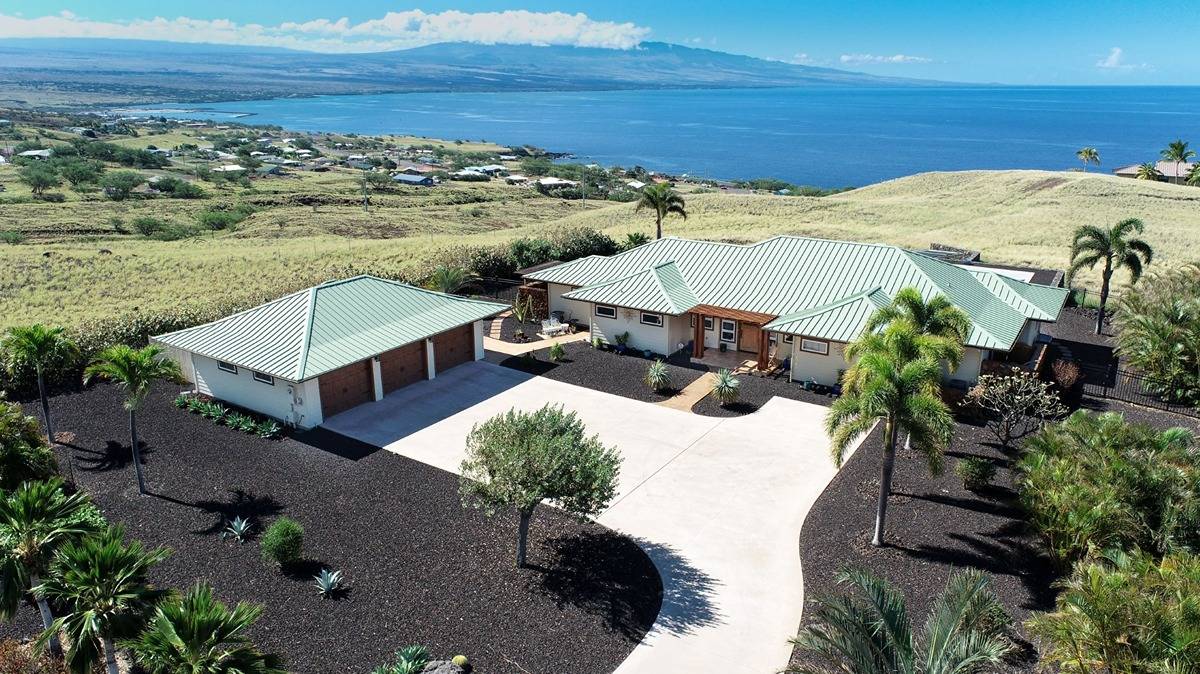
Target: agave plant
x,y
658,377
328,582
409,660
726,387
238,529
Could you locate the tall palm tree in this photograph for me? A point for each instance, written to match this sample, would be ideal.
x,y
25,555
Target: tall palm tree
x,y
1088,155
103,580
1091,245
663,200
39,347
35,520
965,633
1193,177
134,370
197,633
1149,171
449,279
1179,153
893,379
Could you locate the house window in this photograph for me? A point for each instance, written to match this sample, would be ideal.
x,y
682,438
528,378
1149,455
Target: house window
x,y
226,367
605,311
814,346
788,339
264,378
652,319
708,323
728,331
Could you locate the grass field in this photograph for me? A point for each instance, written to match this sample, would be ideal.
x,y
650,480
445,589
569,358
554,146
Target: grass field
x,y
60,274
1015,217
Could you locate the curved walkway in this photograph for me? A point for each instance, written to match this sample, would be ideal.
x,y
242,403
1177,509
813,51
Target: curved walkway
x,y
717,504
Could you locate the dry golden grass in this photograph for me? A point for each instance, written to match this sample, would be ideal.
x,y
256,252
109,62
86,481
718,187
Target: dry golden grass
x,y
1014,217
1019,217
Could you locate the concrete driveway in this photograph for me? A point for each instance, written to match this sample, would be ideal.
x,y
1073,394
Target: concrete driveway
x,y
717,504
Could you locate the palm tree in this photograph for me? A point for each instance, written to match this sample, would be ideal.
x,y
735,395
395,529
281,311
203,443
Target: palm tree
x,y
635,239
1088,155
1092,244
197,633
893,379
965,633
134,370
1193,177
35,520
663,200
1179,153
1149,171
40,347
103,580
449,279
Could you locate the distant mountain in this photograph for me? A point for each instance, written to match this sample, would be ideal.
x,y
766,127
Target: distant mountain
x,y
146,71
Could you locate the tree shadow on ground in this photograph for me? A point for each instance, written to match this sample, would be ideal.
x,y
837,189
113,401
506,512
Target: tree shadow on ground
x,y
998,507
335,443
242,504
114,456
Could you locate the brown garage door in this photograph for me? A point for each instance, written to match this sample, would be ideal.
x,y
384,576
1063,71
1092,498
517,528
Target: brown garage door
x,y
403,366
346,387
453,347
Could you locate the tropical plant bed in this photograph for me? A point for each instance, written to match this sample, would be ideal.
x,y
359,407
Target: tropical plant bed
x,y
754,392
606,371
934,527
418,567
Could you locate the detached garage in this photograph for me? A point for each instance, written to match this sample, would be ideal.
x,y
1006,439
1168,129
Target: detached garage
x,y
319,352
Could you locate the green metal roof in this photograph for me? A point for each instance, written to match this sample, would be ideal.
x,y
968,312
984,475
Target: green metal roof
x,y
314,331
840,321
788,275
661,289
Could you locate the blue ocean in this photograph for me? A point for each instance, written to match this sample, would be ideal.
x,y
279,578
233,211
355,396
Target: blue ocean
x,y
829,137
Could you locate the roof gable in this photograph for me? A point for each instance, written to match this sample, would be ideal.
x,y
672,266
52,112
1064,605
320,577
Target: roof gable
x,y
661,289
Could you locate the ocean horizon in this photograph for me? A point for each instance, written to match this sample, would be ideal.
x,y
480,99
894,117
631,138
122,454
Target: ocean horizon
x,y
827,136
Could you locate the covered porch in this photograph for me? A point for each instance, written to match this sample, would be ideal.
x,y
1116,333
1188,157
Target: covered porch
x,y
740,332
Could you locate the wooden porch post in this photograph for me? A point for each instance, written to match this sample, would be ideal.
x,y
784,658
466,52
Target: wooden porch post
x,y
762,349
698,336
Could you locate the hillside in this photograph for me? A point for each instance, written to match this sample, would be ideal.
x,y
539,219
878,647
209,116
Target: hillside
x,y
1015,217
90,71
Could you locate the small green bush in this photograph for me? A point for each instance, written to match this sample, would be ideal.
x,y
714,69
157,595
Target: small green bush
x,y
12,237
148,226
557,352
976,472
283,542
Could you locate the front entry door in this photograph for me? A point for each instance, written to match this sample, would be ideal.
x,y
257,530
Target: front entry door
x,y
749,337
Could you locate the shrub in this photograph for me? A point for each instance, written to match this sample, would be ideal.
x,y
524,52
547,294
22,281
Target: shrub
x,y
12,237
557,352
148,226
1158,332
460,661
1066,375
597,342
118,185
1126,612
52,197
726,388
527,252
1017,404
976,472
283,542
574,243
1095,482
26,455
491,262
658,377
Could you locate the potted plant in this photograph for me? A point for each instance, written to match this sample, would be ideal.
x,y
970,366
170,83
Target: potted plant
x,y
622,341
723,347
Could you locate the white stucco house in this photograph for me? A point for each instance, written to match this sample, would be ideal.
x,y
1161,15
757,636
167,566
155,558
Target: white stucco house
x,y
310,355
790,301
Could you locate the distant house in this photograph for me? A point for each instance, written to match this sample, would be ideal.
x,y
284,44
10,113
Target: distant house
x,y
310,355
269,170
414,169
788,300
229,168
516,180
358,164
635,184
406,179
272,159
1170,172
470,174
37,154
551,181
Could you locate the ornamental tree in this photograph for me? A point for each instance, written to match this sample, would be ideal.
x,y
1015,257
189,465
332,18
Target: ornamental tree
x,y
1017,404
519,459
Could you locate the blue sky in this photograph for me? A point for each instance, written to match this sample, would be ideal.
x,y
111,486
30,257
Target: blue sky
x,y
1017,42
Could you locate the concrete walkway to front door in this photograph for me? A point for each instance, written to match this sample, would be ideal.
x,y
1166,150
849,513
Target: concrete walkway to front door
x,y
717,504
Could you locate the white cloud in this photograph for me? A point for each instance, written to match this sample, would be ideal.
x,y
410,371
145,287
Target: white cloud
x,y
394,30
1116,61
801,58
872,58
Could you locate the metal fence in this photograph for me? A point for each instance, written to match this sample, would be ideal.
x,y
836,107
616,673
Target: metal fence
x,y
1131,387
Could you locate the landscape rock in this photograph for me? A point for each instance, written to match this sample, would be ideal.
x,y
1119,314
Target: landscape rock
x,y
443,667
